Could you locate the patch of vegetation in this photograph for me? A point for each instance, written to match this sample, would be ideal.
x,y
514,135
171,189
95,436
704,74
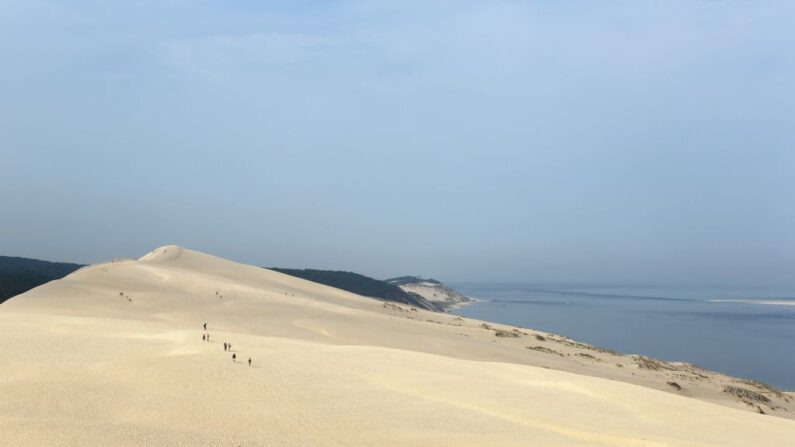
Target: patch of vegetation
x,y
675,386
745,395
576,344
361,285
587,356
18,275
507,334
545,350
644,362
696,371
765,387
540,337
502,333
394,307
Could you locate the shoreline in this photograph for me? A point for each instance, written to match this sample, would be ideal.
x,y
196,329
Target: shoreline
x,y
669,359
331,365
447,308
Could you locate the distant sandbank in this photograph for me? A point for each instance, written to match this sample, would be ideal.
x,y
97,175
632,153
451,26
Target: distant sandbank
x,y
765,302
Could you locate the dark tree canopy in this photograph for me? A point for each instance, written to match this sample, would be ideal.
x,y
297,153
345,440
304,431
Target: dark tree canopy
x,y
18,275
361,285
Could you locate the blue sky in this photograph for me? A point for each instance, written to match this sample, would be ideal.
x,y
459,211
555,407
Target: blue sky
x,y
625,141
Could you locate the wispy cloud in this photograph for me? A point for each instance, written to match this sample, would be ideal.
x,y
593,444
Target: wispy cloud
x,y
226,54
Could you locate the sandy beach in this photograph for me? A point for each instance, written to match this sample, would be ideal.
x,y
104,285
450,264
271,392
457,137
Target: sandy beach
x,y
113,355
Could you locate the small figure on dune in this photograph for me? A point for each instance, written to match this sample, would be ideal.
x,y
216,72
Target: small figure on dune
x,y
205,326
249,361
208,337
234,358
230,346
204,337
224,346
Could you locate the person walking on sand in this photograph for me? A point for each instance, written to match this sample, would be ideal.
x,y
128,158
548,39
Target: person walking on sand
x,y
205,326
230,346
234,358
249,361
204,337
224,346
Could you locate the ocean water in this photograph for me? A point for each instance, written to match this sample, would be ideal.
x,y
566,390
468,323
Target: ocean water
x,y
748,340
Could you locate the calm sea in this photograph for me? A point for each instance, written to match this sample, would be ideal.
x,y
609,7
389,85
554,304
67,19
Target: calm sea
x,y
678,324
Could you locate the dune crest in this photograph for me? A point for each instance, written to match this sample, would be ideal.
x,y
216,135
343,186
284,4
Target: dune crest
x,y
169,251
113,354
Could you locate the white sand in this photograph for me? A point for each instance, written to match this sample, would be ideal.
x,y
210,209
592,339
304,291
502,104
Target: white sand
x,y
438,294
81,365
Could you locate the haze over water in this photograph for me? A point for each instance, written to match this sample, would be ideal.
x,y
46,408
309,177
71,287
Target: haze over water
x,y
748,340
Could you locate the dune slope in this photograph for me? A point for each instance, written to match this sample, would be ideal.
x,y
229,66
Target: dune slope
x,y
113,355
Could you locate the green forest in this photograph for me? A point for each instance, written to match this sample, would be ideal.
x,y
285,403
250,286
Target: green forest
x,y
18,275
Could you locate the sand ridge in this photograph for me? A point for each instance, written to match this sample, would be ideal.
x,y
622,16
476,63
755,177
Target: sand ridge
x,y
113,355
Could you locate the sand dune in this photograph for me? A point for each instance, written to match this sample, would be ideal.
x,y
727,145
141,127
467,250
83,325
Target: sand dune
x,y
113,355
